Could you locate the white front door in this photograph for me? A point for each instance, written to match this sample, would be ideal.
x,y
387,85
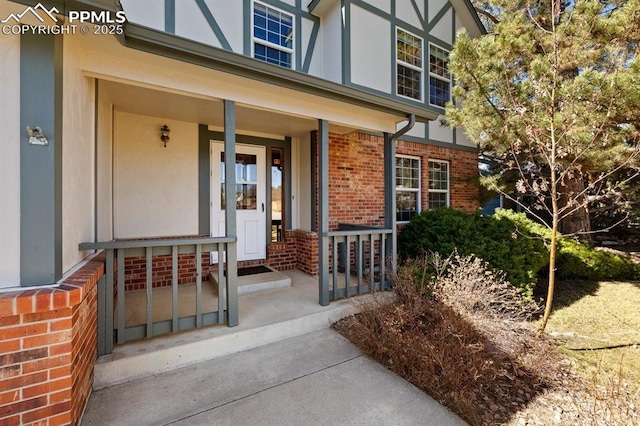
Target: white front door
x,y
250,199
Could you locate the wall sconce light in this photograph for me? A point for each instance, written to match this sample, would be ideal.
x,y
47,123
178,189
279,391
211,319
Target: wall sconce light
x,y
164,134
36,137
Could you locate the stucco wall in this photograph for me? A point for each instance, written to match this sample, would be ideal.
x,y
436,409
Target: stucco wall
x,y
433,7
155,188
439,132
149,13
370,67
444,28
77,157
330,38
10,161
405,11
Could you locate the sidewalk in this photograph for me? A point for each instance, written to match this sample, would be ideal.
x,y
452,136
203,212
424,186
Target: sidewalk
x,y
315,379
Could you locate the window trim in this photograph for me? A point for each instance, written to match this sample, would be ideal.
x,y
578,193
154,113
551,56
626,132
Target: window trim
x,y
417,190
266,43
437,76
439,191
410,66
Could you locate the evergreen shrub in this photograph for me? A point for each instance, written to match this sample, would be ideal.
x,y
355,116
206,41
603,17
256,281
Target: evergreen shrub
x,y
496,240
512,243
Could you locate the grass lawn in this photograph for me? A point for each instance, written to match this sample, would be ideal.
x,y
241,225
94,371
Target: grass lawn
x,y
593,315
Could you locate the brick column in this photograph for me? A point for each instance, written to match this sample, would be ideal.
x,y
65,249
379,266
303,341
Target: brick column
x,y
48,339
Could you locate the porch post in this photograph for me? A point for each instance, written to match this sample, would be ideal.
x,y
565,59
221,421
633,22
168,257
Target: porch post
x,y
323,210
390,200
230,211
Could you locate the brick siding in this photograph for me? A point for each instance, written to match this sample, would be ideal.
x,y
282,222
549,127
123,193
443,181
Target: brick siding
x,y
135,268
356,177
48,345
463,173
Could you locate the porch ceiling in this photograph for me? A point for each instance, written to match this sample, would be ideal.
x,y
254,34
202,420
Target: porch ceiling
x,y
177,106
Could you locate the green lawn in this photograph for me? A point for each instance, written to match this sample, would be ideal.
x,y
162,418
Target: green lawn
x,y
592,315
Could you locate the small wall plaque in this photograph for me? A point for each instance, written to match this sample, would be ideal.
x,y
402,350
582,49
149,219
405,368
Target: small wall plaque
x,y
36,137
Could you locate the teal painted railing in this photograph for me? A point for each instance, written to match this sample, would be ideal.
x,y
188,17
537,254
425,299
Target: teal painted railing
x,y
359,261
111,293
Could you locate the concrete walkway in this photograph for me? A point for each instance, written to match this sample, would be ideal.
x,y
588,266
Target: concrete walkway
x,y
318,378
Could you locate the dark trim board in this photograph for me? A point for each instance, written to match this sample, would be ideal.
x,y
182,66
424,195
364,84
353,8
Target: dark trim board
x,y
170,16
41,165
204,181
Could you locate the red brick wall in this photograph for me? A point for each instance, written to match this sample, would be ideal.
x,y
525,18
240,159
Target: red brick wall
x,y
282,255
48,348
298,250
135,270
356,177
356,180
307,252
463,173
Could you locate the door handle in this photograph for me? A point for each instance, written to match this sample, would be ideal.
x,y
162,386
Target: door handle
x,y
262,207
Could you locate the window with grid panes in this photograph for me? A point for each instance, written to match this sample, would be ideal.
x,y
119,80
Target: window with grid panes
x,y
438,184
272,35
407,188
408,64
439,76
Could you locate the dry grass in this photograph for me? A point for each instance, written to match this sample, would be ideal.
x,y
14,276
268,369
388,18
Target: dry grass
x,y
459,335
599,327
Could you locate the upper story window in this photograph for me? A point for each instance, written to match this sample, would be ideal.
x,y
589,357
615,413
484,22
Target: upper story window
x,y
439,76
272,35
409,64
438,184
407,187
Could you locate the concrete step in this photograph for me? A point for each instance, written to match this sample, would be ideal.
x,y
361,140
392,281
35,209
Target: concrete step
x,y
253,283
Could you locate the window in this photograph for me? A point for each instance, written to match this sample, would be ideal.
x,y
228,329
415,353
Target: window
x,y
407,188
272,35
246,182
277,194
438,184
409,64
439,76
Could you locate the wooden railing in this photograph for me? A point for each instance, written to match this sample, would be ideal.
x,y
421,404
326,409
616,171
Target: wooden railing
x,y
359,260
111,293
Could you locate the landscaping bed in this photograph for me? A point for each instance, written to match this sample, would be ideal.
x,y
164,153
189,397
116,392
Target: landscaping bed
x,y
469,343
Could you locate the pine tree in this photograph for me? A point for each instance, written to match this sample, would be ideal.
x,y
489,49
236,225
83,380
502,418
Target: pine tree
x,y
553,89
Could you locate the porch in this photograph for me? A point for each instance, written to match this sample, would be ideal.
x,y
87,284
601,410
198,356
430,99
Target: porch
x,y
228,188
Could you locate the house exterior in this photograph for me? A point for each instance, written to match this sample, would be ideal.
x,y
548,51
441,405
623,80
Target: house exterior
x,y
148,141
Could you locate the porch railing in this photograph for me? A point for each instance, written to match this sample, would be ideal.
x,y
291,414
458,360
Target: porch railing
x,y
118,250
359,260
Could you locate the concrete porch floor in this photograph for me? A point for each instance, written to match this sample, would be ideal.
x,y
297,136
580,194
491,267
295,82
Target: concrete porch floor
x,y
136,301
264,317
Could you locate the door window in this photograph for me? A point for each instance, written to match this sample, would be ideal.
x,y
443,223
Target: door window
x,y
246,182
